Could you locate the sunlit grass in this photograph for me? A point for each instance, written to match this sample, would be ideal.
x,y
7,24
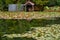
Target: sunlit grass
x,y
29,15
23,26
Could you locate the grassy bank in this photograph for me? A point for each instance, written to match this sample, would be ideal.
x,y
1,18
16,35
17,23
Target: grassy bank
x,y
16,26
10,23
28,15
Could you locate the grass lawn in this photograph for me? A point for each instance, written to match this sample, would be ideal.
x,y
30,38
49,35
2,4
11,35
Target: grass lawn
x,y
43,26
33,27
28,15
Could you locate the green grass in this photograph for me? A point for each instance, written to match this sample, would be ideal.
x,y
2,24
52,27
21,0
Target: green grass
x,y
16,26
6,38
11,26
20,26
22,15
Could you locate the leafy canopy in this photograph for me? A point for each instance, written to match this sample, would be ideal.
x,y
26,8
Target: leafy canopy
x,y
40,2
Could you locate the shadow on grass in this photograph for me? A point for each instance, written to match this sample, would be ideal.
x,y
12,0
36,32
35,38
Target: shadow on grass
x,y
24,38
44,22
8,26
17,38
